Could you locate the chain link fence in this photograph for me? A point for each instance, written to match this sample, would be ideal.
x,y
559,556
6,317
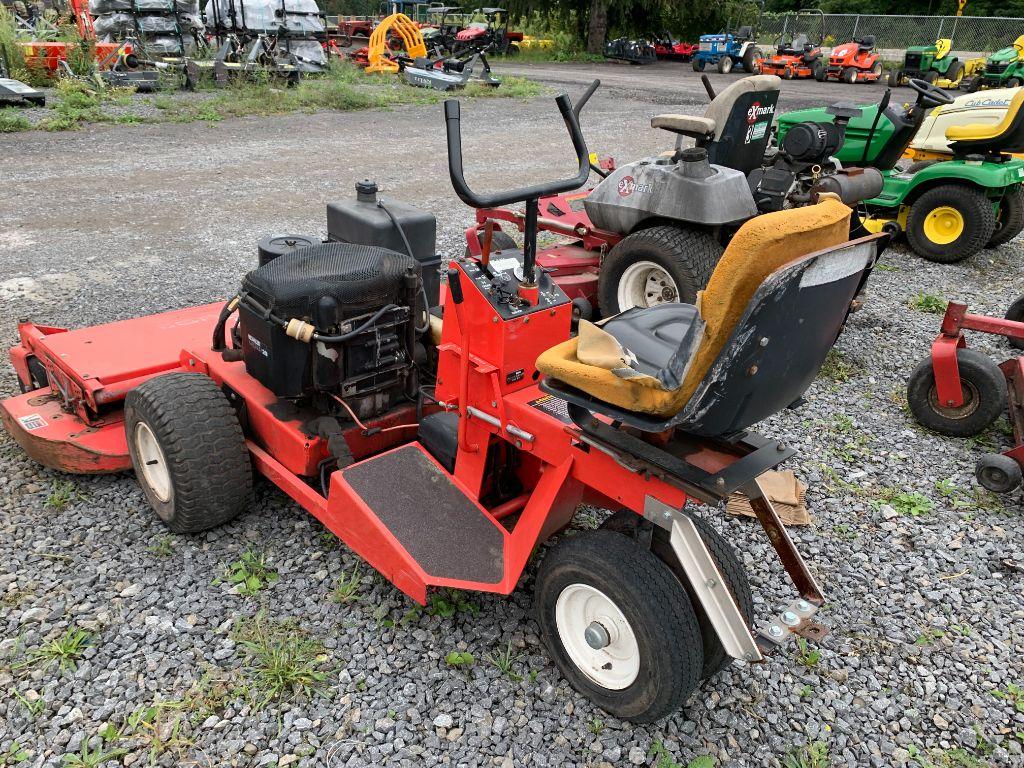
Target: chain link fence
x,y
978,35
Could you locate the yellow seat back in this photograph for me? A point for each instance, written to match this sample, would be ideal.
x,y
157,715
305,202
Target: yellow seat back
x,y
988,131
942,47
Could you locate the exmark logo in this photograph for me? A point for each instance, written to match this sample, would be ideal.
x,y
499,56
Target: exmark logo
x,y
757,111
628,185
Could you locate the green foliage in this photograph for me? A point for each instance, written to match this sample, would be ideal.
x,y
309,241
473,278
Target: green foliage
x,y
34,707
65,651
837,367
1014,694
161,547
460,659
929,636
90,758
12,121
451,602
251,573
912,504
926,302
807,655
663,758
282,660
504,661
63,493
814,754
15,754
346,587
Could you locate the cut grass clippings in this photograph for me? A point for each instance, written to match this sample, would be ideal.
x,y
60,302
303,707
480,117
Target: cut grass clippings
x,y
343,88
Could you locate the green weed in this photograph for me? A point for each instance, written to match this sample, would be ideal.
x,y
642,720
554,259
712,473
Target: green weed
x,y
814,754
451,602
912,504
346,586
460,659
90,758
15,754
504,661
807,655
161,547
65,651
251,573
1014,694
12,121
63,493
596,726
282,660
34,707
837,368
926,302
929,636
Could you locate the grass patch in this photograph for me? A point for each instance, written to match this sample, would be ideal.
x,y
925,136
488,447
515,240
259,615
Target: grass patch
x,y
504,661
909,504
282,660
92,757
662,758
837,368
814,754
945,758
926,302
65,651
346,587
12,121
33,706
63,493
460,659
929,636
806,655
161,547
451,602
251,573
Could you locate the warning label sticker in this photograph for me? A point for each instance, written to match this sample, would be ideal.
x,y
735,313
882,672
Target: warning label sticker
x,y
32,421
552,406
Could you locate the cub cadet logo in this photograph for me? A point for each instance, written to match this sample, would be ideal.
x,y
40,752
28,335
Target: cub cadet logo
x,y
756,111
628,185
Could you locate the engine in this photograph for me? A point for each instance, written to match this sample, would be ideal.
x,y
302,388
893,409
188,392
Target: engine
x,y
334,324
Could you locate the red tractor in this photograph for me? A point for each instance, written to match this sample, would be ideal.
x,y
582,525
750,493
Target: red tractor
x,y
666,47
488,32
854,62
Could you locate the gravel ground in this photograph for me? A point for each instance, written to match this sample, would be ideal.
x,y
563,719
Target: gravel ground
x,y
926,610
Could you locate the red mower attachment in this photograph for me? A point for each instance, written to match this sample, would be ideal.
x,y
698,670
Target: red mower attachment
x,y
960,392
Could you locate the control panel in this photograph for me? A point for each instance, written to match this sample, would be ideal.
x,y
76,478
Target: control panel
x,y
500,280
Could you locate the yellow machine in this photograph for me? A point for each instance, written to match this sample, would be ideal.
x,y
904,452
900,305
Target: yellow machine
x,y
407,31
986,108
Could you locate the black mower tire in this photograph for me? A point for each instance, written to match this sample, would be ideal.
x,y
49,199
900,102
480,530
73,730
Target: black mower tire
x,y
850,75
1016,313
954,73
998,473
819,71
201,442
1010,219
930,76
654,604
733,574
984,391
698,65
689,256
920,165
1014,82
895,79
750,59
979,223
724,65
500,241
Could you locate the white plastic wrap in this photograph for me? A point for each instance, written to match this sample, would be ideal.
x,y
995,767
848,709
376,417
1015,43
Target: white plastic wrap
x,y
262,15
308,51
168,7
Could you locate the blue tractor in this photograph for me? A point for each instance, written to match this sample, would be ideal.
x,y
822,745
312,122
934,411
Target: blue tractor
x,y
730,49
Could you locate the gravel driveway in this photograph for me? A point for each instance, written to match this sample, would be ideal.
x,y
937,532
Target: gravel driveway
x,y
925,598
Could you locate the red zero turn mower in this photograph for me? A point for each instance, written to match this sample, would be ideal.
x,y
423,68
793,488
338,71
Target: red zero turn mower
x,y
321,385
959,392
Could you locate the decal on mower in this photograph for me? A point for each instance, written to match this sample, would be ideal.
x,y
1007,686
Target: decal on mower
x,y
756,132
628,185
552,406
756,111
32,421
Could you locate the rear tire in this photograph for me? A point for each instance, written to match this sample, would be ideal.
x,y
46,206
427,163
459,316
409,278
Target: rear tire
x,y
750,60
950,223
1014,82
1010,219
733,574
930,76
984,392
955,73
698,65
998,473
188,451
876,70
686,256
604,581
1016,313
895,78
818,68
724,65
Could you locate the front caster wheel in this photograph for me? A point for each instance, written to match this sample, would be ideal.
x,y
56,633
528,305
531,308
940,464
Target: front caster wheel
x,y
619,625
998,473
984,396
188,451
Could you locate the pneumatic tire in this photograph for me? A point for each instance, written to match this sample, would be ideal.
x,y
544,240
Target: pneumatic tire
x,y
724,65
1016,313
751,57
733,574
500,241
697,64
973,219
850,75
1010,219
599,586
998,473
188,451
984,396
685,257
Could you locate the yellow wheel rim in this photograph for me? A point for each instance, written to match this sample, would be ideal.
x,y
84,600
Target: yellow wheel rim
x,y
944,225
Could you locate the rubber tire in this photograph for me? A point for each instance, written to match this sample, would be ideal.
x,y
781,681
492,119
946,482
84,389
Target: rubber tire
x,y
930,76
1014,82
975,85
500,241
1010,219
954,73
698,65
976,369
724,65
979,223
688,255
733,573
895,78
1016,313
750,57
787,74
202,441
919,166
876,70
997,473
849,76
818,68
656,606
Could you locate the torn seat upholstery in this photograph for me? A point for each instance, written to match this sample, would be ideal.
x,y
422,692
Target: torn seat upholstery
x,y
757,336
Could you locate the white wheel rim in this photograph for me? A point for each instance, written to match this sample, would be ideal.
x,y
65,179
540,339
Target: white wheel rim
x,y
645,284
154,465
616,664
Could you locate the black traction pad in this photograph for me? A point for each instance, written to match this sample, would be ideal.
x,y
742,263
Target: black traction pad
x,y
442,528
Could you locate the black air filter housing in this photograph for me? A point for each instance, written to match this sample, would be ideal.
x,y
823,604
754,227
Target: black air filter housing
x,y
335,287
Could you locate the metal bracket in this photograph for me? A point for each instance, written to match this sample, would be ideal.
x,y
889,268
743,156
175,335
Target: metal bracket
x,y
795,620
705,580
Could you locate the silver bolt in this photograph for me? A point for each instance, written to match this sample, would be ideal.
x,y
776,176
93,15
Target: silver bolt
x,y
775,630
711,583
596,636
803,605
790,618
764,341
494,319
494,403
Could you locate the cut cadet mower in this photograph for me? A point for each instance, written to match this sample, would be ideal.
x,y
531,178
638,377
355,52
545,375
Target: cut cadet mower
x,y
949,211
929,63
796,56
320,385
652,231
1003,69
854,62
930,144
729,49
959,392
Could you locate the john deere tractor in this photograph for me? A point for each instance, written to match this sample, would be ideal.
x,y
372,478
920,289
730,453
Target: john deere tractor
x,y
929,63
1004,68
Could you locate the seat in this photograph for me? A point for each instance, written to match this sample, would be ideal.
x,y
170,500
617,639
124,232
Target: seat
x,y
725,128
750,347
1004,137
865,44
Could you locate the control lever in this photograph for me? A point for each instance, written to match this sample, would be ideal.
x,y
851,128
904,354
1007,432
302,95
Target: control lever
x,y
708,87
455,286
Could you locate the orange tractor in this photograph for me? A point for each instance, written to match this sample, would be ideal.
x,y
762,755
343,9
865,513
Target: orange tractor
x,y
796,55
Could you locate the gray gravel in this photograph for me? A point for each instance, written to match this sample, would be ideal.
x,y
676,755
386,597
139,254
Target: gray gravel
x,y
927,619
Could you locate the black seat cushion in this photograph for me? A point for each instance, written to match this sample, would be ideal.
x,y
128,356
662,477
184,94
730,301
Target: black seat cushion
x,y
661,339
358,277
866,43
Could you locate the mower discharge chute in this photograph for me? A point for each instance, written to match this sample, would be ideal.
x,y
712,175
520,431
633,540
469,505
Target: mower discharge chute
x,y
445,446
948,211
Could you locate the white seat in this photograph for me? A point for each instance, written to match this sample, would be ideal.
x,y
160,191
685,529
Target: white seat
x,y
691,125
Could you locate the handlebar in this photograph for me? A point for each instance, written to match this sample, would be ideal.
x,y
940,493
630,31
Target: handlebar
x,y
523,194
579,105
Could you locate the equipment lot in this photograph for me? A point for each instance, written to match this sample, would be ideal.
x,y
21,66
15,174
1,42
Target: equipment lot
x,y
921,569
